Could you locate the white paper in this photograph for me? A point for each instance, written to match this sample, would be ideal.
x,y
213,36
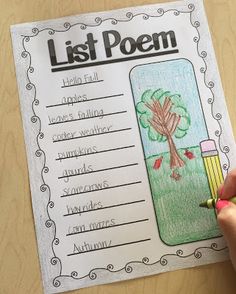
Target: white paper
x,y
100,213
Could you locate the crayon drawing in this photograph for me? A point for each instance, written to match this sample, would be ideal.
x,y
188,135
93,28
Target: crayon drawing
x,y
164,116
172,125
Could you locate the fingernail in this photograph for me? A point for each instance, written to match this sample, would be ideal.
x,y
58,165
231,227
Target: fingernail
x,y
221,204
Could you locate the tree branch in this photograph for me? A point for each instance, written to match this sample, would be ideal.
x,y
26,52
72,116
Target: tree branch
x,y
167,106
173,122
158,109
176,123
150,107
157,127
163,121
155,111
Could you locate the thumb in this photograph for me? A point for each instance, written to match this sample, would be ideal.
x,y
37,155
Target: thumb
x,y
227,221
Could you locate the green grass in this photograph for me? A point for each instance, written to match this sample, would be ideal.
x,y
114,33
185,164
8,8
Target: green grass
x,y
179,217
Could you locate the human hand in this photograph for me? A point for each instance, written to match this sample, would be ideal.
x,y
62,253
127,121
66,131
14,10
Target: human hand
x,y
226,213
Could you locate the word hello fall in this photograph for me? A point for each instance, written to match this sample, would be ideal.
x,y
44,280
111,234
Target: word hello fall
x,y
111,40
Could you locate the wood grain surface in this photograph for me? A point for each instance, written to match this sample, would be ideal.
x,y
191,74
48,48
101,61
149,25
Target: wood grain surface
x,y
19,264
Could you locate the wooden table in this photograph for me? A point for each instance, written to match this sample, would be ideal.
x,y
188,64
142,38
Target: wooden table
x,y
19,264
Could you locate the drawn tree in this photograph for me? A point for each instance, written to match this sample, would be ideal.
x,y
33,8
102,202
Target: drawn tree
x,y
165,116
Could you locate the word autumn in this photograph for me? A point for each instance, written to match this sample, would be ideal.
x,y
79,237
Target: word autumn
x,y
112,40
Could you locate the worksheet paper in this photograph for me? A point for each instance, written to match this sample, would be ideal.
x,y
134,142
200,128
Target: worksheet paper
x,y
126,132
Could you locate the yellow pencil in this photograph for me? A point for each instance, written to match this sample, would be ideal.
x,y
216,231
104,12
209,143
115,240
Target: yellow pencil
x,y
212,165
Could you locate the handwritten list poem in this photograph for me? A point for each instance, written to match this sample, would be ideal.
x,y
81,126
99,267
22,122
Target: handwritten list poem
x,y
96,174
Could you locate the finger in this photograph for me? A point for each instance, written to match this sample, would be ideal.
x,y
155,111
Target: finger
x,y
220,190
229,188
227,221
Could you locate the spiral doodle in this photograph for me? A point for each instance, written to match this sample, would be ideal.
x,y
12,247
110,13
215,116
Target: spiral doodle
x,y
203,54
179,252
56,282
67,25
27,39
176,12
24,54
98,20
145,260
29,86
51,32
51,204
36,102
46,169
38,152
145,16
129,15
214,246
225,166
196,24
41,135
110,267
83,26
56,241
114,21
160,11
196,39
217,133
163,261
35,31
43,188
48,223
210,100
218,116
202,69
74,274
211,84
54,260
128,268
226,149
92,275
197,254
34,119
191,7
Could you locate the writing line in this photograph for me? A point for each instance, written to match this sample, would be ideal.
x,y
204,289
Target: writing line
x,y
76,119
105,207
62,68
118,225
102,151
99,170
91,135
106,188
82,84
117,245
91,99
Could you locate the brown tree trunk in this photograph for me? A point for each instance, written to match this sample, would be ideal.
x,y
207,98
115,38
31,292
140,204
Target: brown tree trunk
x,y
175,160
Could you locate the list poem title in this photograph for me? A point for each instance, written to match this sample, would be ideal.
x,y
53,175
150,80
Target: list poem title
x,y
86,51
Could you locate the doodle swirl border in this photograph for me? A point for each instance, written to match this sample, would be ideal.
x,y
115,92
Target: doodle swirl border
x,y
128,268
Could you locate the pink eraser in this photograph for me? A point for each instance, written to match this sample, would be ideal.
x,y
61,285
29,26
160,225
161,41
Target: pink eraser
x,y
208,145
